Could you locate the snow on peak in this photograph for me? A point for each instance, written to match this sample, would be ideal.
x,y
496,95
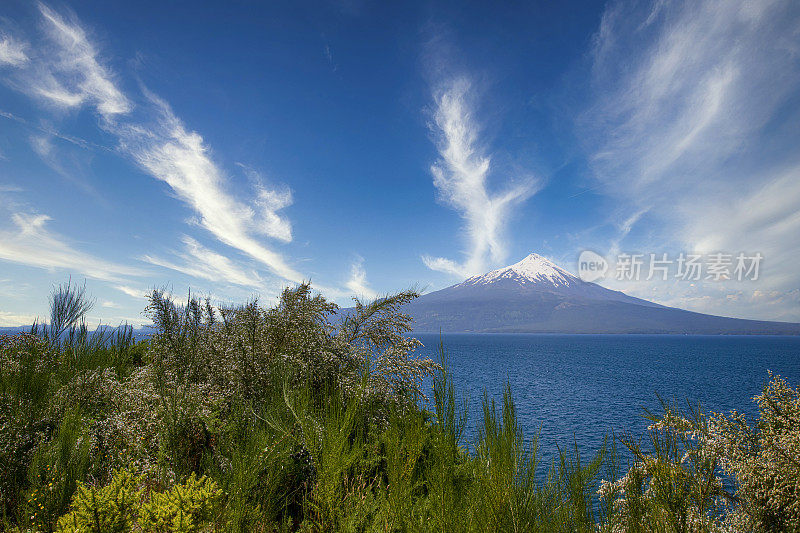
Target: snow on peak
x,y
533,269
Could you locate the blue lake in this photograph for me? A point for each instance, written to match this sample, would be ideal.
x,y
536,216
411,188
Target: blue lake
x,y
586,386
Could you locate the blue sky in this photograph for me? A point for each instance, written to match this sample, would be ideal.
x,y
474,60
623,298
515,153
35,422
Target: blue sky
x,y
234,148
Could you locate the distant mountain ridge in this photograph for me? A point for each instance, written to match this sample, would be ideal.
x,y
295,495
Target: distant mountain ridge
x,y
535,295
138,333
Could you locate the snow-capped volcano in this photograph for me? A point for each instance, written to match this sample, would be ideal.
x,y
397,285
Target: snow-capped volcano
x,y
533,275
536,295
533,269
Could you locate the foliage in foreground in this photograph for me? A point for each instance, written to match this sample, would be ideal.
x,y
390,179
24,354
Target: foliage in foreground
x,y
714,472
120,506
302,417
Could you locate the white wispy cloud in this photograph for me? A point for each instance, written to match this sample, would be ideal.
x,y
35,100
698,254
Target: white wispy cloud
x,y
9,319
200,262
180,158
66,72
767,220
12,52
14,289
132,291
49,131
461,177
358,284
689,124
31,243
269,201
42,146
71,73
63,163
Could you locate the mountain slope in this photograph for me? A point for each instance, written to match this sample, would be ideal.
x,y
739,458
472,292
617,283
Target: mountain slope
x,y
537,296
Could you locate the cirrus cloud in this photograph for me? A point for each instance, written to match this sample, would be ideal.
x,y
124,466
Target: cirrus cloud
x,y
358,284
200,262
461,177
32,243
12,52
65,71
687,128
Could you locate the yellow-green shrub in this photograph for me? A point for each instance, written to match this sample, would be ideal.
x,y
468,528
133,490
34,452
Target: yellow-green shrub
x,y
185,508
109,509
120,507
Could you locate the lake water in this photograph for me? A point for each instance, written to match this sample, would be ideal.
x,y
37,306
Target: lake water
x,y
585,386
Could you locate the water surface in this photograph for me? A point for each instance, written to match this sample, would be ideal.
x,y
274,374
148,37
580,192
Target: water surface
x,y
585,386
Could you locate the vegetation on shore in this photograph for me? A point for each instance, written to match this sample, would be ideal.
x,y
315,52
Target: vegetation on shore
x,y
294,418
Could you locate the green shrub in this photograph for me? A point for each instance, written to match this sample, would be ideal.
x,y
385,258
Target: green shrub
x,y
259,481
26,366
109,509
505,467
308,418
185,508
764,460
56,470
714,472
120,507
405,443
